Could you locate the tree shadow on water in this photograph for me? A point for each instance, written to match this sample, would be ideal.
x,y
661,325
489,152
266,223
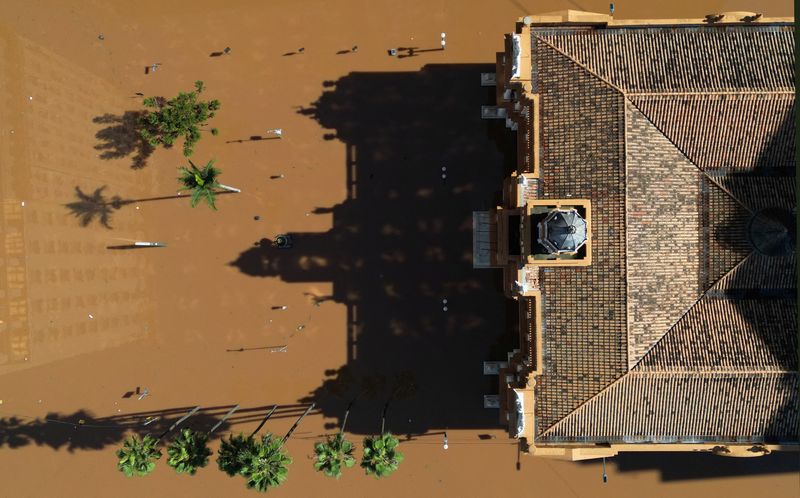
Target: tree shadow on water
x,y
81,430
96,205
121,138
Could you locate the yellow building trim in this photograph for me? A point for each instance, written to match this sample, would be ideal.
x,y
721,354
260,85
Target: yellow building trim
x,y
575,453
594,18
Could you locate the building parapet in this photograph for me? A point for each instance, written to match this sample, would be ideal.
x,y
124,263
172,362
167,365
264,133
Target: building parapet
x,y
582,18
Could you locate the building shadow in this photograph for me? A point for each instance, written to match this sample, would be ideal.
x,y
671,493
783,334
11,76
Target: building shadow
x,y
401,244
82,431
121,138
687,465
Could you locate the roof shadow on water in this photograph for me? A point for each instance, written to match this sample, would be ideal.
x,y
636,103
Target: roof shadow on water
x,y
401,243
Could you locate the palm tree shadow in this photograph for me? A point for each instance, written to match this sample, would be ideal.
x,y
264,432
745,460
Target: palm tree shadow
x,y
81,430
88,207
92,206
121,138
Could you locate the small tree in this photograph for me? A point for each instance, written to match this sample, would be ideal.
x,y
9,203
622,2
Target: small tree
x,y
381,457
188,452
267,466
181,116
137,457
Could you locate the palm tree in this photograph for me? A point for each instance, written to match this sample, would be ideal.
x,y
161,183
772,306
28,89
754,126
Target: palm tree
x,y
137,456
267,466
381,457
188,452
335,451
202,182
234,452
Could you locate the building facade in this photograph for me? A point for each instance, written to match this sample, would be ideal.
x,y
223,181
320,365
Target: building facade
x,y
648,234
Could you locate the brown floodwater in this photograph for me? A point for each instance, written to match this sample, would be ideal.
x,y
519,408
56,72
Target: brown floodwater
x,y
379,240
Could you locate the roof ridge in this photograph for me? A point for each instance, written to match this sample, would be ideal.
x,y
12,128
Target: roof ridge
x,y
738,373
581,65
711,179
772,93
565,417
633,372
670,374
686,312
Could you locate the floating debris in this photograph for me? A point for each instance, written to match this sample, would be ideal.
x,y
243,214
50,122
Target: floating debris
x,y
150,420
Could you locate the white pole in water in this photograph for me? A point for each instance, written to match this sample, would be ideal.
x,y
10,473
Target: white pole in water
x,y
149,244
231,189
605,476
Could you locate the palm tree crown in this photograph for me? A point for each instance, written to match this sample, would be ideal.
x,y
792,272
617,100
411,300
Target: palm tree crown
x,y
381,457
334,453
201,181
267,466
188,452
137,457
234,452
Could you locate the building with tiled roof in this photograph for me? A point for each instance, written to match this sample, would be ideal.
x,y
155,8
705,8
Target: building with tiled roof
x,y
675,326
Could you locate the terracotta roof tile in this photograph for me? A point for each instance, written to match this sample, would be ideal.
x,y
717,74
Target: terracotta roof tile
x,y
678,407
663,233
726,133
715,375
686,59
729,334
584,339
758,192
726,243
759,272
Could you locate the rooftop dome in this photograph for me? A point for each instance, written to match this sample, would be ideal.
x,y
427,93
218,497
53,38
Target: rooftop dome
x,y
772,231
563,231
